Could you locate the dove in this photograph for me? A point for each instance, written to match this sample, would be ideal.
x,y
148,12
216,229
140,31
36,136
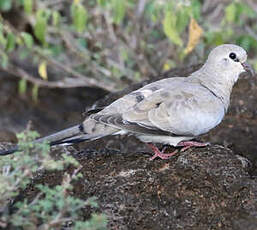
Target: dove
x,y
172,111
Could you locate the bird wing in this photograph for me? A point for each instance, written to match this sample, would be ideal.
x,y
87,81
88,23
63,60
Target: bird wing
x,y
130,100
171,107
112,115
189,110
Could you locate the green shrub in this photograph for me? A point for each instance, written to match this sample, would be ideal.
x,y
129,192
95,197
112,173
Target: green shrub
x,y
51,207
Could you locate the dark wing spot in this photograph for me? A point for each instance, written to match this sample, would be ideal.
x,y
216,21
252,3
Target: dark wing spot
x,y
81,128
140,97
157,104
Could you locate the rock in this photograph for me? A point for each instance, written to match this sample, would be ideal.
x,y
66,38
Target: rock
x,y
207,188
202,188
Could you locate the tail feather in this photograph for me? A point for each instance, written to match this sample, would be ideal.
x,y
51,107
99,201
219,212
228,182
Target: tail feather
x,y
59,136
72,135
76,139
68,136
9,151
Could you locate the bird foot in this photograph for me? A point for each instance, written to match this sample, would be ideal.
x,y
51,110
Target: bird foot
x,y
188,144
184,144
158,153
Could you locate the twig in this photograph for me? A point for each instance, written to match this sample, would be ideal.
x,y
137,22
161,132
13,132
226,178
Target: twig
x,y
68,83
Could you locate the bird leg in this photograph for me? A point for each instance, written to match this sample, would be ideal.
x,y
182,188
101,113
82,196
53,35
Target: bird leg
x,y
158,153
188,144
184,144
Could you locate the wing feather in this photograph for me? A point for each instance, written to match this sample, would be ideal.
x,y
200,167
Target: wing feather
x,y
168,107
117,121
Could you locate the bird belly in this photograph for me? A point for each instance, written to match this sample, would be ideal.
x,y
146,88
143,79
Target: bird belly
x,y
169,140
196,124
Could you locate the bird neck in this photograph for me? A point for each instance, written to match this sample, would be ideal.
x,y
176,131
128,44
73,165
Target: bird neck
x,y
219,83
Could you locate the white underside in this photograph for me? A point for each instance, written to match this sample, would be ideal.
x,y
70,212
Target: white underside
x,y
163,139
169,140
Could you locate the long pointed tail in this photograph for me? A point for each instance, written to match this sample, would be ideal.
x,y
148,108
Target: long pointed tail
x,y
65,137
55,138
9,151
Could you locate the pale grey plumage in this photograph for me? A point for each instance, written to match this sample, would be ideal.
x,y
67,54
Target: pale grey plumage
x,y
170,110
183,107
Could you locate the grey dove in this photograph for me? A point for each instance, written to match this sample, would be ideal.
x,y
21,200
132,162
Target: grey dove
x,y
171,111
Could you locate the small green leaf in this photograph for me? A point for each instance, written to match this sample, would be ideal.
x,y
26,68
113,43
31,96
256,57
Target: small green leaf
x,y
230,12
169,27
28,39
119,9
41,25
22,88
10,42
79,16
28,6
56,18
183,17
196,9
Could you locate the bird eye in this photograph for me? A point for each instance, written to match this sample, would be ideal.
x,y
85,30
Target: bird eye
x,y
232,56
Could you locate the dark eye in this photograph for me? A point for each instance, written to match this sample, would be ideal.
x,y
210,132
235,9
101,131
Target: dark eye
x,y
232,56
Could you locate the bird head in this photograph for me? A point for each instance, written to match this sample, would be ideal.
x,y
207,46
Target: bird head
x,y
230,60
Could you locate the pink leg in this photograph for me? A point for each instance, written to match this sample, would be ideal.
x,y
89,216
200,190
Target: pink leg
x,y
158,153
188,144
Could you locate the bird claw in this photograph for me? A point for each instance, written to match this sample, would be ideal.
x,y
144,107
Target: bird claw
x,y
184,144
158,153
188,144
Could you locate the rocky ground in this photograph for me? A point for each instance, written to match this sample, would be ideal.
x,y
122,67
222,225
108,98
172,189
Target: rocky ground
x,y
205,188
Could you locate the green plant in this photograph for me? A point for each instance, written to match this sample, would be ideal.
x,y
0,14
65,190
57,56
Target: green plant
x,y
52,207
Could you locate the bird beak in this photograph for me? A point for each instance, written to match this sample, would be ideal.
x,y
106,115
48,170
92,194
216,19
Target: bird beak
x,y
248,68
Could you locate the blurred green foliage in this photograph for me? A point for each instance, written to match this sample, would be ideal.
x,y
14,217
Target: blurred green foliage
x,y
50,207
113,40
